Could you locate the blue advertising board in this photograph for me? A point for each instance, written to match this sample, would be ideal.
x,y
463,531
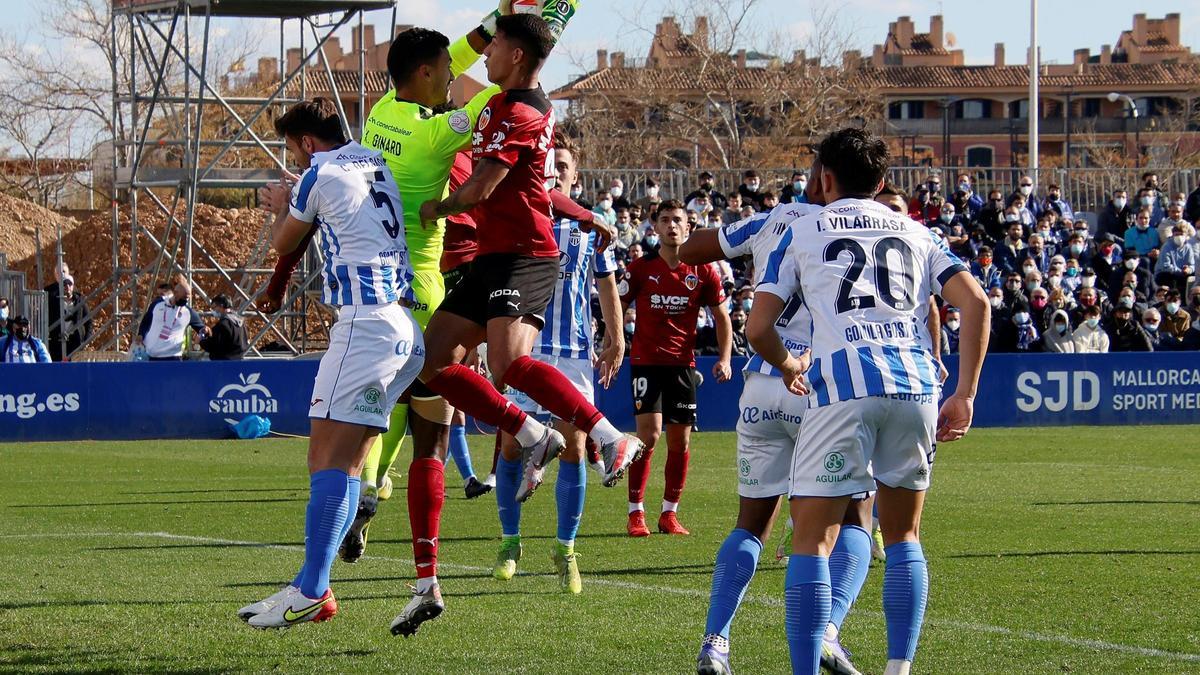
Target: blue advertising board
x,y
104,401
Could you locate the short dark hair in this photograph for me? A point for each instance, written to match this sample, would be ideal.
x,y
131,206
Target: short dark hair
x,y
412,49
531,32
668,205
858,159
892,189
985,249
221,300
165,286
318,117
750,173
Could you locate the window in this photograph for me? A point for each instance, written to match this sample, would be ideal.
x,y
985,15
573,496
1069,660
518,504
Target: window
x,y
1091,107
974,110
980,155
906,110
1019,109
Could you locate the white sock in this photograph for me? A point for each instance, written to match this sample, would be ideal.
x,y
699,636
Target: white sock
x,y
670,506
831,632
426,583
634,507
569,543
897,667
604,433
490,480
531,432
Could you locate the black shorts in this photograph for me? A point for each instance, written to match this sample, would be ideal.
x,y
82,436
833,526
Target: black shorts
x,y
454,276
501,285
670,390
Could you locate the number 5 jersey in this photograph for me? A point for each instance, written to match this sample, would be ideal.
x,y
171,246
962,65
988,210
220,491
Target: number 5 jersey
x,y
350,194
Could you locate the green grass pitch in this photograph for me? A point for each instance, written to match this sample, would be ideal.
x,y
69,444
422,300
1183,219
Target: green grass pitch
x,y
1050,550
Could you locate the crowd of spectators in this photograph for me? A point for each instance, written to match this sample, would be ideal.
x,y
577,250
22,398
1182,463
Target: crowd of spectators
x,y
1056,283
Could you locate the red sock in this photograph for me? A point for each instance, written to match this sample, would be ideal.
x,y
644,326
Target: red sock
x,y
426,493
471,393
593,452
553,391
639,473
677,465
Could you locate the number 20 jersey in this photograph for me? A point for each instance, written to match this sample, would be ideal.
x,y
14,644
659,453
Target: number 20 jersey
x,y
866,275
350,194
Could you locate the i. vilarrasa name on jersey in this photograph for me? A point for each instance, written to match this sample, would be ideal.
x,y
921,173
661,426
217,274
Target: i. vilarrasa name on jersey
x,y
860,221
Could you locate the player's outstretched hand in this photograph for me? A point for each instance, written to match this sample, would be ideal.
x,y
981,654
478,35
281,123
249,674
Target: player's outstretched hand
x,y
608,362
605,233
267,305
793,374
954,419
429,213
722,371
274,197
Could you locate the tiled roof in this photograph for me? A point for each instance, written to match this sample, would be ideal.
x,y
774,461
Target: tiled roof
x,y
316,81
1182,75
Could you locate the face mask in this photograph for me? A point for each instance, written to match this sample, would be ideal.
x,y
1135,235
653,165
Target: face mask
x,y
984,262
652,192
1026,190
1012,218
1131,264
3,313
1179,239
996,302
1028,269
1178,203
1106,251
1088,282
1054,196
652,240
934,187
1072,271
629,327
1147,200
1150,327
953,324
747,304
1076,249
964,187
1093,322
1033,286
1142,227
181,302
1055,282
1196,301
1172,307
576,192
1119,203
1125,301
1044,232
1038,303
1021,318
752,186
616,192
737,324
1061,328
706,185
947,217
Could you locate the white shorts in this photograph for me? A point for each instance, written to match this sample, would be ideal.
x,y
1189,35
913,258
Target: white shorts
x,y
578,371
375,353
846,447
766,435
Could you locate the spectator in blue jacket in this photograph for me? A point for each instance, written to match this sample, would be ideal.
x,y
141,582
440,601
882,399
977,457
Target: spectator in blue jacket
x,y
1010,251
1177,261
987,274
974,201
1055,202
1142,237
1148,198
1025,190
21,347
1036,253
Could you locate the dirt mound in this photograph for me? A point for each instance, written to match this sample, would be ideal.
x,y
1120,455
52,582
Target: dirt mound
x,y
18,219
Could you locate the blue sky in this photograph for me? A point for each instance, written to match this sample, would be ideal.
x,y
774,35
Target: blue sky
x,y
619,25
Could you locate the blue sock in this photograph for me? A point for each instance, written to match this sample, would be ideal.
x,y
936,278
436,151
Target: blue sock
x,y
328,507
905,589
460,452
848,565
508,479
569,490
736,561
808,604
355,484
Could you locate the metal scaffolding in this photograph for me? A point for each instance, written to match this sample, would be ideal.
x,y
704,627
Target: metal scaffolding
x,y
164,83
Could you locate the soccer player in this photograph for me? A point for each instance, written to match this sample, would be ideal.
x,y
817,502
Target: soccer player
x,y
502,299
375,348
866,274
565,343
767,431
669,295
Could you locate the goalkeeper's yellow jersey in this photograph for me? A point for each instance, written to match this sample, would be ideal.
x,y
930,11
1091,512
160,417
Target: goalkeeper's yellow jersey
x,y
419,147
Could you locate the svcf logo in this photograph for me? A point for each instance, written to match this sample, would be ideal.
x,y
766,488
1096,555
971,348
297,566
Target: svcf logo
x,y
834,462
371,396
744,465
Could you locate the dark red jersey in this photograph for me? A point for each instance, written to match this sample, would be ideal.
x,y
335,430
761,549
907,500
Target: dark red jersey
x,y
517,130
460,243
667,302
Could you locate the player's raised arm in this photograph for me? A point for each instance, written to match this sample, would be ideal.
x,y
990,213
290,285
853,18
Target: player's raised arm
x,y
703,246
488,174
963,292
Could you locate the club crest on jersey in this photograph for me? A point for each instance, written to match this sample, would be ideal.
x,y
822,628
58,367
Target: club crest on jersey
x,y
691,281
485,118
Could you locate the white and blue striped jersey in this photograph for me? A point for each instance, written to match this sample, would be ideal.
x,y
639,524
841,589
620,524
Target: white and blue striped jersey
x,y
866,274
568,329
758,236
350,194
31,350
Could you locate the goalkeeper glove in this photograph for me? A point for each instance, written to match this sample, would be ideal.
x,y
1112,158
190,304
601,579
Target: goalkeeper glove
x,y
556,14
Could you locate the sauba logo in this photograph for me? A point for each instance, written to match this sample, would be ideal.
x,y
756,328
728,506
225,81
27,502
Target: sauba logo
x,y
661,300
246,397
